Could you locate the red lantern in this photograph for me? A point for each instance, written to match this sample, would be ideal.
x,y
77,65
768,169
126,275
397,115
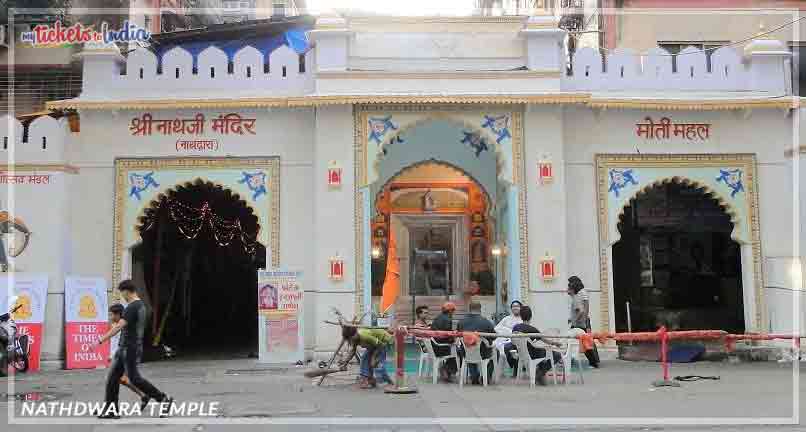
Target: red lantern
x,y
336,268
545,171
548,268
334,175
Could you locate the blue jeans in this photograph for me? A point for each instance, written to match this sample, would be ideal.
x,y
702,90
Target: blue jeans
x,y
380,371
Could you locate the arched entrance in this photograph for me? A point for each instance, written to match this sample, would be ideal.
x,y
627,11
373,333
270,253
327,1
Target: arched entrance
x,y
483,142
443,228
198,260
676,263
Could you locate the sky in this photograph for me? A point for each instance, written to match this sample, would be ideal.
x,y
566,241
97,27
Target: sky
x,y
397,7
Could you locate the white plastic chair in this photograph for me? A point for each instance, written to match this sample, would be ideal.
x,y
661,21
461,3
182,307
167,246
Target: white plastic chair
x,y
437,361
571,356
525,360
473,356
425,357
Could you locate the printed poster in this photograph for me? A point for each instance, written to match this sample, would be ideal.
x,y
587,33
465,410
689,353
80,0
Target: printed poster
x,y
32,293
86,319
280,317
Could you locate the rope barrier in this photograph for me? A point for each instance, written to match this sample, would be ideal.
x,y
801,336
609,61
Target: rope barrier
x,y
586,342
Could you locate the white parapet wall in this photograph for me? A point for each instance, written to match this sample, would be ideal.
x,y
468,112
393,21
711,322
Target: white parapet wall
x,y
173,75
41,142
35,186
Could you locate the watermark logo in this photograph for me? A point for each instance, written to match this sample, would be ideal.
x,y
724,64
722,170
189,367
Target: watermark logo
x,y
57,34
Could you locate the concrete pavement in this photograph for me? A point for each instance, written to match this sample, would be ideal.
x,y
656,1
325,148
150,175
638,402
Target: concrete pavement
x,y
249,392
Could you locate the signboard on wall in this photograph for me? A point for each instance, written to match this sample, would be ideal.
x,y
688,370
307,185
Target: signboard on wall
x,y
280,317
85,308
32,293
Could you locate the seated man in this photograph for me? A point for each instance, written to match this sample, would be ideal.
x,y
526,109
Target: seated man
x,y
476,323
525,327
444,322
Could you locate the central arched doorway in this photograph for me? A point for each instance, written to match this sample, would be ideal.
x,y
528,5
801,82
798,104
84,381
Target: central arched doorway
x,y
443,230
198,260
676,263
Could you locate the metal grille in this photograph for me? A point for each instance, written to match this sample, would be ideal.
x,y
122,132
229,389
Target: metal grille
x,y
33,86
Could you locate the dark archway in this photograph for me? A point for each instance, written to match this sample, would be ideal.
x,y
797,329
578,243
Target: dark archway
x,y
199,257
676,263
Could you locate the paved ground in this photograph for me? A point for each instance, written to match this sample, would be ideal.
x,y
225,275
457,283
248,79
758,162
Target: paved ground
x,y
619,392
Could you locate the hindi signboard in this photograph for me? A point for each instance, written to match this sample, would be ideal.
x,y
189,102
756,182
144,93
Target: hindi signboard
x,y
32,293
280,317
85,307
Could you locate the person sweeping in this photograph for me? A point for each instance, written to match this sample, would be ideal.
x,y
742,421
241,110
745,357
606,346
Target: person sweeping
x,y
373,362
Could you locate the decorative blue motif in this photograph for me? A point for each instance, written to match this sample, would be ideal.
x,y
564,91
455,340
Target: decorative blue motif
x,y
732,178
475,141
498,125
379,126
140,183
256,182
619,179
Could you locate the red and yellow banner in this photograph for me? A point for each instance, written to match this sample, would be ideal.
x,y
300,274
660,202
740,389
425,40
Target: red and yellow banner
x,y
86,319
32,294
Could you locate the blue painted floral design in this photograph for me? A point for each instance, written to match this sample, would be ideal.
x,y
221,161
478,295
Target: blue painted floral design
x,y
475,141
498,125
620,179
733,179
379,127
140,183
256,182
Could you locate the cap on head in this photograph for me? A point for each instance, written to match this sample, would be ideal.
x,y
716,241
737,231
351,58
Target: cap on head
x,y
514,302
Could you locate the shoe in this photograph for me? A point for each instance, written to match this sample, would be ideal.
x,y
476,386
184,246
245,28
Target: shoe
x,y
364,383
109,416
144,403
541,379
165,407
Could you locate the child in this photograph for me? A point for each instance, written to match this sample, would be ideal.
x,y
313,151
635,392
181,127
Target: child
x,y
374,359
115,314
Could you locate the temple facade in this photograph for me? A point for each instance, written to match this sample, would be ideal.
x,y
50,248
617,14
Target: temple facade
x,y
447,150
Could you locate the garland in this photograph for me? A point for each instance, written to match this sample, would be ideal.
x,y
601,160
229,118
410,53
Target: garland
x,y
190,221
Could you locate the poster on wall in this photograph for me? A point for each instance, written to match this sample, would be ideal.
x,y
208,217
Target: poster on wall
x,y
85,308
32,294
280,317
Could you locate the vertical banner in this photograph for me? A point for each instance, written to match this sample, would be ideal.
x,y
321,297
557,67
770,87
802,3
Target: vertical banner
x,y
280,317
32,293
85,309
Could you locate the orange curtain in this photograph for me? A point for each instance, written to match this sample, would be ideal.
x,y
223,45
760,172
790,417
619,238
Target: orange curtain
x,y
391,284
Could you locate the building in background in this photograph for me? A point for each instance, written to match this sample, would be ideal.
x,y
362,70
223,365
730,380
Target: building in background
x,y
705,24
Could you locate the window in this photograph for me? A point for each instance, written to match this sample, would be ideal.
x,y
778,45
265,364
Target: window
x,y
674,48
798,68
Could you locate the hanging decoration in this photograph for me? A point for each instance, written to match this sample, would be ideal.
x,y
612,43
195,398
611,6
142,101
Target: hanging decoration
x,y
191,220
548,268
334,175
545,171
336,268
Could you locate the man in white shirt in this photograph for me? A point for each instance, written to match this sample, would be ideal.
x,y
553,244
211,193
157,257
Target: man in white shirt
x,y
504,327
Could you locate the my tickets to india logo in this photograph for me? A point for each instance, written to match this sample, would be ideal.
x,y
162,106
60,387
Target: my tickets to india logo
x,y
58,34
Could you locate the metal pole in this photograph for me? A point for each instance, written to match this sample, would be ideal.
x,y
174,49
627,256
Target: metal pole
x,y
400,377
497,286
412,287
629,320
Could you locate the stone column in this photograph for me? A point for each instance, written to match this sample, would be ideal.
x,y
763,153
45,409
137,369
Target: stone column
x,y
334,223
